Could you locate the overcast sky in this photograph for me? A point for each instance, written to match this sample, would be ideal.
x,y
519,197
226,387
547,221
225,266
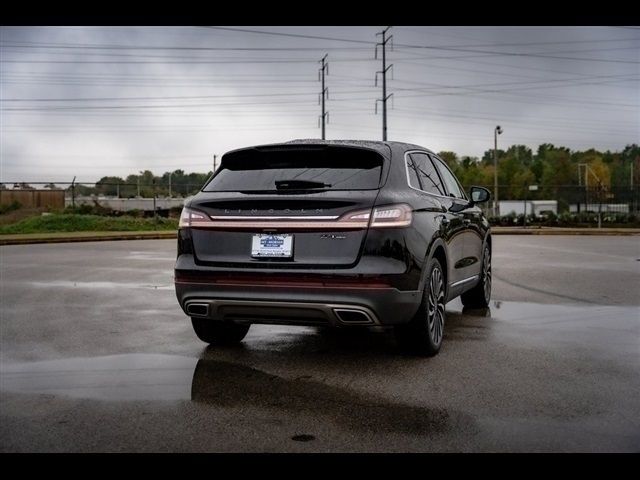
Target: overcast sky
x,y
95,101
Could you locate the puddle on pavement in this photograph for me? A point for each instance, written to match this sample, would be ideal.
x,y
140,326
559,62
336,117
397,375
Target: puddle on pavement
x,y
151,377
114,377
213,381
101,285
144,255
538,313
614,330
226,384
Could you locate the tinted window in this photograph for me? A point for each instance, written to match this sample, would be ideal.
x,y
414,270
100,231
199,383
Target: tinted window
x,y
412,172
338,168
422,174
449,179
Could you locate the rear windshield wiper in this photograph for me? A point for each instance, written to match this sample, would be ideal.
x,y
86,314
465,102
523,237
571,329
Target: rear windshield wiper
x,y
299,184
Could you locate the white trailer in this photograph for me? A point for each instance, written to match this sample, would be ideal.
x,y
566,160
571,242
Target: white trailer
x,y
535,207
595,208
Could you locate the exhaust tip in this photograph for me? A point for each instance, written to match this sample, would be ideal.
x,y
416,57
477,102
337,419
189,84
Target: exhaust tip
x,y
198,309
352,316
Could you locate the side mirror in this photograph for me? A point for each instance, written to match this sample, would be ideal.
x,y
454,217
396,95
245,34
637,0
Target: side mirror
x,y
479,195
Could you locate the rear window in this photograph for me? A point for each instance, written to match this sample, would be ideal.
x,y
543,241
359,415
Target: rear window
x,y
329,168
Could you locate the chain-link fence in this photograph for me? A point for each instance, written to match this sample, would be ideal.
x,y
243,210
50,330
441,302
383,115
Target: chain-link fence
x,y
565,199
514,200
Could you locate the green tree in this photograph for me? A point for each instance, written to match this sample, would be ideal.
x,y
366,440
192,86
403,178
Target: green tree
x,y
487,156
558,171
521,153
451,159
109,186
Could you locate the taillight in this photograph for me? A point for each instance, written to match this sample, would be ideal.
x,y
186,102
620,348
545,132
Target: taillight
x,y
355,219
399,215
386,216
193,218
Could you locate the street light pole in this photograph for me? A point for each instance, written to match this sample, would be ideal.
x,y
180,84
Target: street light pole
x,y
496,132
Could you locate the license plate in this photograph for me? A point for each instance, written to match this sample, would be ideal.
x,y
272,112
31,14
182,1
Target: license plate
x,y
271,245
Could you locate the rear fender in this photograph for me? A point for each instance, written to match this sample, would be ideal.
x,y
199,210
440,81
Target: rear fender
x,y
436,242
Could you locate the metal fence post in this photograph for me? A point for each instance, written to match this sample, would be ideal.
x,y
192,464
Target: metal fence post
x,y
73,192
155,210
525,206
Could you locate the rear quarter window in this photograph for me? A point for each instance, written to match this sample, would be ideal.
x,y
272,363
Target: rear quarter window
x,y
422,174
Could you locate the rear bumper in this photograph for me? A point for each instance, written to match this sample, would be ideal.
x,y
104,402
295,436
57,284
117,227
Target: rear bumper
x,y
335,300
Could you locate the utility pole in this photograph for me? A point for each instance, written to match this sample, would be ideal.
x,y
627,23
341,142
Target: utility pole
x,y
496,208
384,70
73,192
214,162
324,94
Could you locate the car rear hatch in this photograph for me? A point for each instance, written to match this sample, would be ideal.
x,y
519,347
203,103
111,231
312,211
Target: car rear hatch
x,y
290,206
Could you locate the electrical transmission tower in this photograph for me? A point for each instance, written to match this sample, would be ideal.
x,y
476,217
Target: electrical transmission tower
x,y
383,72
324,94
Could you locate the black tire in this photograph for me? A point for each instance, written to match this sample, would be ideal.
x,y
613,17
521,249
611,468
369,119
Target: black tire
x,y
219,333
480,295
423,334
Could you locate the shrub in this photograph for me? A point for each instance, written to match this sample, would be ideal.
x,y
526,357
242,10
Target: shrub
x,y
136,213
10,207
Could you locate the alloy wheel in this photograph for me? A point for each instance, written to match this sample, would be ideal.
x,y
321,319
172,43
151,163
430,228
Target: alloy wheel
x,y
486,274
435,307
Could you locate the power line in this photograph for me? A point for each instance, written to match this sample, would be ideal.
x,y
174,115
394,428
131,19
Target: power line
x,y
61,45
89,107
507,90
494,72
190,97
527,44
515,54
137,55
570,81
136,62
295,35
492,52
167,47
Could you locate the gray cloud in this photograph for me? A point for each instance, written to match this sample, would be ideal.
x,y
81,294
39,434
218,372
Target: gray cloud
x,y
69,109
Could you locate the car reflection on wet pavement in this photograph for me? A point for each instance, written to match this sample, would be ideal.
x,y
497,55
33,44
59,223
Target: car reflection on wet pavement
x,y
520,376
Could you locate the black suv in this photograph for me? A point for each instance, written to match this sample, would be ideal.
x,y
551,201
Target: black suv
x,y
332,233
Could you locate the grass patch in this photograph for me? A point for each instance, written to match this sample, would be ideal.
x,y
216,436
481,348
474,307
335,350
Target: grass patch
x,y
87,223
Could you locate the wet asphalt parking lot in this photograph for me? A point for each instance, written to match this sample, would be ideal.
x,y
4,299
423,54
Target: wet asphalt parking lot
x,y
96,356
